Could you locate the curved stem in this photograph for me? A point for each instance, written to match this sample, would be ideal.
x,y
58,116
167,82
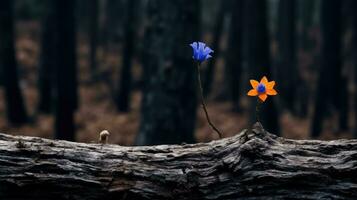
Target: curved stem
x,y
203,103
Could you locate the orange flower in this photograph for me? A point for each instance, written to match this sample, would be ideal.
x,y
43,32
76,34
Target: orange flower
x,y
262,89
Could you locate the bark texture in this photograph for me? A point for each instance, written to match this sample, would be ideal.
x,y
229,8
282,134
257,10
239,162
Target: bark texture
x,y
251,165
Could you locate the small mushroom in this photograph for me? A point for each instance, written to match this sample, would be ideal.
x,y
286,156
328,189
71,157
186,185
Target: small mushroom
x,y
104,137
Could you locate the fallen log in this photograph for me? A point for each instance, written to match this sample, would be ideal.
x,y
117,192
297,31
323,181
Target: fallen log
x,y
251,165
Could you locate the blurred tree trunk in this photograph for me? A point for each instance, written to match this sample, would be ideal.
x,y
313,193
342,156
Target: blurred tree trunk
x,y
258,56
287,73
354,27
125,80
341,96
16,112
307,45
332,87
109,34
169,94
233,64
217,33
66,75
47,62
307,22
342,102
93,36
113,23
83,15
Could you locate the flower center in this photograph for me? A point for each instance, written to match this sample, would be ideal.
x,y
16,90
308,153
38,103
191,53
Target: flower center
x,y
261,88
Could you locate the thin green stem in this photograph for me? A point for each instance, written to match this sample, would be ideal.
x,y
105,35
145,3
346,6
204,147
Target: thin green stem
x,y
203,103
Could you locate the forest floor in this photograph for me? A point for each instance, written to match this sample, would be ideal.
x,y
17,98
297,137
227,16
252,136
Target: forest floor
x,y
97,110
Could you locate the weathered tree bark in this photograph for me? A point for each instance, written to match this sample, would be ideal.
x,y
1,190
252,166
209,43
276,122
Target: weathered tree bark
x,y
251,165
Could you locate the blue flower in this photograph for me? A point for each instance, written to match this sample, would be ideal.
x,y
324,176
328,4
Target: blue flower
x,y
201,52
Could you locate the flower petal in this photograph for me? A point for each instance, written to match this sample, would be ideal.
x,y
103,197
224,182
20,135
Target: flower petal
x,y
207,50
272,92
194,45
208,56
252,92
270,85
201,47
264,80
201,51
254,83
263,97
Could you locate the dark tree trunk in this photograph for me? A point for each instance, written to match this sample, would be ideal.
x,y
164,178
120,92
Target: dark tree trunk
x,y
217,33
341,96
260,166
83,15
307,45
354,27
93,36
125,80
342,102
113,23
287,73
258,56
307,22
109,33
234,53
47,60
66,80
169,96
15,108
330,95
